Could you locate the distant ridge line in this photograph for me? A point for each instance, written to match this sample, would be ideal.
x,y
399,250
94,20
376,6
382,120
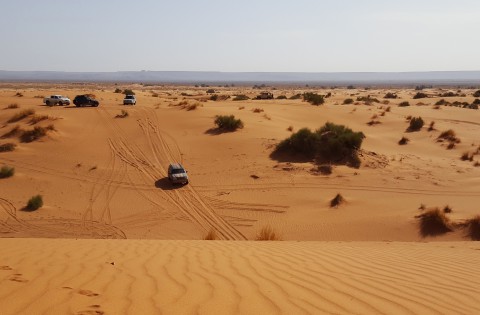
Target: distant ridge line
x,y
189,77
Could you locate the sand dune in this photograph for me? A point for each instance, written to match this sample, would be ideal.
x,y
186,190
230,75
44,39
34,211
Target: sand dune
x,y
40,276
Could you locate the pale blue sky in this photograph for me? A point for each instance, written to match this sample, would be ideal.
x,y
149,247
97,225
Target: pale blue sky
x,y
248,35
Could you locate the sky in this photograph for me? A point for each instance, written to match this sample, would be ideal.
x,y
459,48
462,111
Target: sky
x,y
240,36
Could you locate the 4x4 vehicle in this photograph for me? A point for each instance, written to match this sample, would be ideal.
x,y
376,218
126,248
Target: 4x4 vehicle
x,y
177,174
84,100
56,99
129,100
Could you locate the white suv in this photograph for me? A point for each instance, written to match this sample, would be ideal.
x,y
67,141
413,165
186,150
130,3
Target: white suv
x,y
129,100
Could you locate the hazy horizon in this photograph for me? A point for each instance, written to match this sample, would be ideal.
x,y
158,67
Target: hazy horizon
x,y
249,36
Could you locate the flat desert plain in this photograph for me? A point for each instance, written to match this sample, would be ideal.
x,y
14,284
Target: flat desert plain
x,y
102,174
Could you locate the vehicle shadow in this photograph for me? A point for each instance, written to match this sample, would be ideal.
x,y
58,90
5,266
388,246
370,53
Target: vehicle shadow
x,y
165,184
216,131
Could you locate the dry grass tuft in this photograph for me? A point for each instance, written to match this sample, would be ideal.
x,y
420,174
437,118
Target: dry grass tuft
x,y
35,133
467,156
447,209
473,226
6,171
21,115
338,200
15,131
257,110
38,118
12,106
193,106
211,235
449,135
7,147
290,128
123,114
267,233
403,141
434,222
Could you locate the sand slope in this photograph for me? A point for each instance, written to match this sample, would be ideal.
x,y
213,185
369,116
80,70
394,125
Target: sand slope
x,y
54,276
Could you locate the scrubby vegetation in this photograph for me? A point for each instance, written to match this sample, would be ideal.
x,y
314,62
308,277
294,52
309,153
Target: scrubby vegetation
x,y
473,228
123,114
296,96
281,97
240,97
476,93
228,123
348,101
128,92
404,104
329,144
267,233
35,133
117,90
38,118
420,95
367,99
449,94
434,222
336,201
390,95
416,123
450,136
314,98
34,203
403,141
15,131
210,91
21,115
257,110
6,171
7,147
18,94
12,106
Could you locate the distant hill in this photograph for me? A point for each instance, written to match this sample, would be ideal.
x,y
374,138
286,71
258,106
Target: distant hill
x,y
339,78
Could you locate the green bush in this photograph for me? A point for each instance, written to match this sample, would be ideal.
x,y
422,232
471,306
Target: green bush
x,y
228,123
329,144
35,203
416,123
314,98
6,171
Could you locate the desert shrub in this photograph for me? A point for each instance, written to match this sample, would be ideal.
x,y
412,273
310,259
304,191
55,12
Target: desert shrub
x,y
6,171
388,109
240,97
476,101
193,106
404,104
390,95
449,135
128,92
348,101
281,97
431,127
434,222
257,110
403,141
466,156
7,147
325,169
13,132
12,106
367,99
18,94
350,87
314,98
449,94
331,143
416,123
210,91
267,233
117,90
35,133
21,115
228,123
123,114
420,95
373,122
34,203
336,201
476,93
473,106
442,102
473,228
296,97
211,235
290,128
38,118
447,209
214,97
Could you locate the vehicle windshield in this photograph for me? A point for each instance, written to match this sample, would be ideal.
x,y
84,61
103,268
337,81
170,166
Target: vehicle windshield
x,y
178,171
129,97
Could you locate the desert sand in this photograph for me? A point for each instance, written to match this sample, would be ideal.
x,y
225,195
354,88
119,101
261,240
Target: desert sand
x,y
103,177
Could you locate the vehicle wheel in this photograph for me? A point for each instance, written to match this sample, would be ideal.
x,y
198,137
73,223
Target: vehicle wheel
x,y
95,105
60,104
186,183
47,103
